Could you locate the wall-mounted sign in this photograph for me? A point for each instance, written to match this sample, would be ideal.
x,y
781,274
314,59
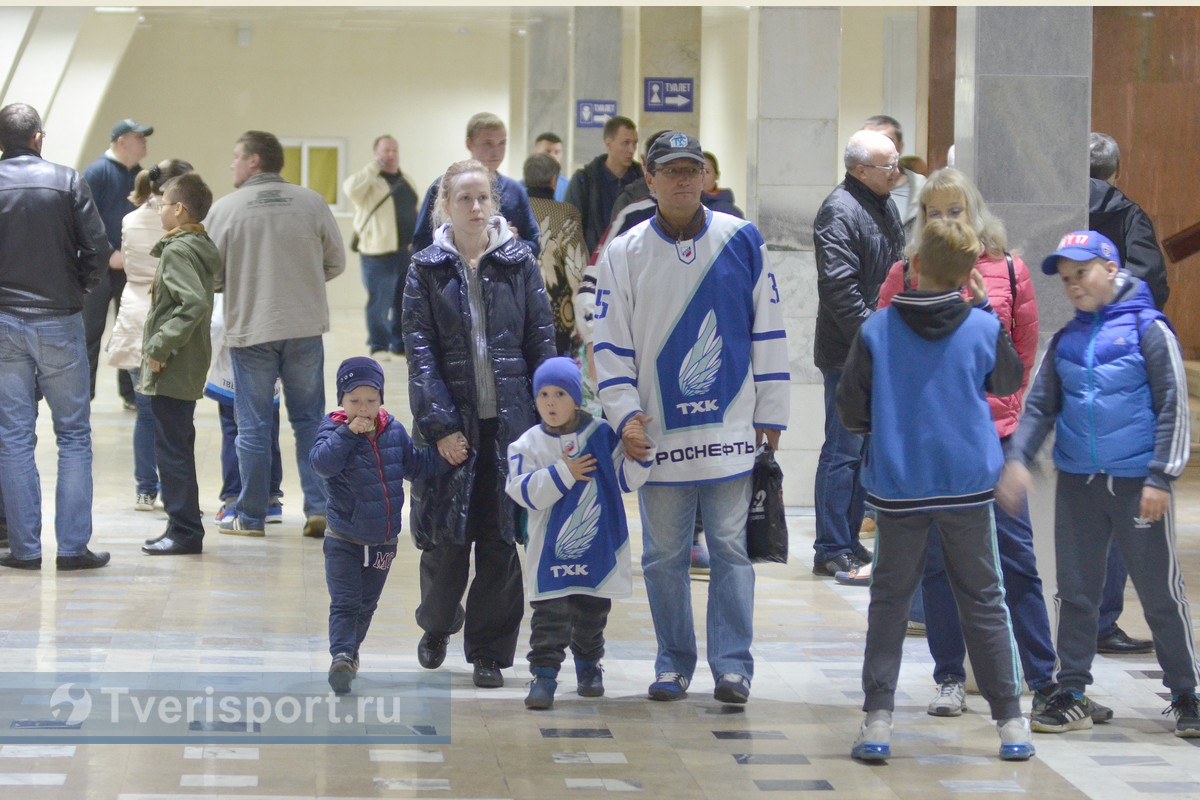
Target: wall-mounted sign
x,y
665,95
594,113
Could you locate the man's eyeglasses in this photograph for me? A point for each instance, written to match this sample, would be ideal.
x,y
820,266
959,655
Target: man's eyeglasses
x,y
892,167
681,173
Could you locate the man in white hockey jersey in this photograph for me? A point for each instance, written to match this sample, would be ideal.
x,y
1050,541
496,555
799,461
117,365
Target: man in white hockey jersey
x,y
689,342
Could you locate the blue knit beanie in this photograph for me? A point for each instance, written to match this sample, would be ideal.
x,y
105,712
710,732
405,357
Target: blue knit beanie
x,y
561,372
359,371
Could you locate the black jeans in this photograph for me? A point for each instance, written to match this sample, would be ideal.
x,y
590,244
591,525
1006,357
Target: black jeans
x,y
95,316
175,447
496,600
577,620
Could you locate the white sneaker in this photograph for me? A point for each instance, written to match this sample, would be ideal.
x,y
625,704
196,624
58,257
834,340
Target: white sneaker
x,y
874,741
144,502
951,700
1015,740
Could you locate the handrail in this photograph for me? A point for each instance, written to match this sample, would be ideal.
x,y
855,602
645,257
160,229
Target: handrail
x,y
1183,244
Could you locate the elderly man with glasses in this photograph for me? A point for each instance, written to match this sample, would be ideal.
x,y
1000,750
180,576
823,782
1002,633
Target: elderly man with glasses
x,y
691,355
858,236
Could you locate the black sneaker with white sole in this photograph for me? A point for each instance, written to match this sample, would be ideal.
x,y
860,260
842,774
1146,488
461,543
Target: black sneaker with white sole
x,y
1186,709
1065,711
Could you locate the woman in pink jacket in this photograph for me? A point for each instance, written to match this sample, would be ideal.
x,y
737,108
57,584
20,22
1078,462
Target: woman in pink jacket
x,y
950,194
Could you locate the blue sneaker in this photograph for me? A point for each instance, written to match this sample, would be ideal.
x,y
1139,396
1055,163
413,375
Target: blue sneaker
x,y
669,686
732,688
275,512
1015,744
236,525
874,741
541,689
228,510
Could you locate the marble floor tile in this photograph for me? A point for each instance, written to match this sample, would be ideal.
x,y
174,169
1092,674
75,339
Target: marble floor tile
x,y
251,606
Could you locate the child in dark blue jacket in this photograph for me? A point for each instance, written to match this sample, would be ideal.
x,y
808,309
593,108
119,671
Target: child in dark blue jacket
x,y
364,455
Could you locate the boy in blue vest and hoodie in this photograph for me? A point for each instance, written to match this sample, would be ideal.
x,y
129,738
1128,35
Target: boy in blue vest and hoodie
x,y
1112,386
569,472
364,455
916,379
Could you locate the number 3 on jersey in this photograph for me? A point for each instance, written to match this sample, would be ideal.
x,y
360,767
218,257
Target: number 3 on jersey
x,y
774,288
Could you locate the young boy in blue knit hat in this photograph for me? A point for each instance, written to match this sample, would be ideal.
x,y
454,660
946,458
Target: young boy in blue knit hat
x,y
570,471
364,455
1112,386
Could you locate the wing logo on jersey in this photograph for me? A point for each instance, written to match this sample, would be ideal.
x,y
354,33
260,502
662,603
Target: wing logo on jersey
x,y
581,528
703,361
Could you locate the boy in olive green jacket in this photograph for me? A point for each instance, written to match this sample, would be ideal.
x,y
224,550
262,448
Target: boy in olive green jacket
x,y
176,354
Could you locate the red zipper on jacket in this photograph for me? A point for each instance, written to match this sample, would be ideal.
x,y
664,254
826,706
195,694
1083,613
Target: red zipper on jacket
x,y
387,500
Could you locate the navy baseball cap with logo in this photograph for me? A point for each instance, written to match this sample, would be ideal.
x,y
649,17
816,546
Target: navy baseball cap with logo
x,y
674,145
129,126
1081,246
359,371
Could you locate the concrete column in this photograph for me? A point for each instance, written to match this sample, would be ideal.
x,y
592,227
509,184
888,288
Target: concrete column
x,y
40,64
548,105
793,158
597,76
670,48
1022,111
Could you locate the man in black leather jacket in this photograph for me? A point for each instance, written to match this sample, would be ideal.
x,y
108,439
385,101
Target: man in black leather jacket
x,y
52,252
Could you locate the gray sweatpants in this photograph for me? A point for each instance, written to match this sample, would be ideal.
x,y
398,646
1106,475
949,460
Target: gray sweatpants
x,y
973,566
1089,511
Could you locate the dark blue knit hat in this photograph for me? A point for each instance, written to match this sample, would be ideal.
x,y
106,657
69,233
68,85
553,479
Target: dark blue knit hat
x,y
562,372
356,372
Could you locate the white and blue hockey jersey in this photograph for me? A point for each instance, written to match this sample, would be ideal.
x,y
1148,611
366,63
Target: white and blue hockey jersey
x,y
691,333
578,538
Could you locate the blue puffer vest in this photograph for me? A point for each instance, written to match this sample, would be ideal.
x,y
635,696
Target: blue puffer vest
x,y
1107,420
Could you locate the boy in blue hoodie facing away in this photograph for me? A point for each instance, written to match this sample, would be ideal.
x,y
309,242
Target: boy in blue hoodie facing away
x,y
1112,386
917,379
569,471
364,455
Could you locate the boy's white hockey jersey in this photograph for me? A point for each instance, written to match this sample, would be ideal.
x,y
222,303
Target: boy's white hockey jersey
x,y
578,538
690,332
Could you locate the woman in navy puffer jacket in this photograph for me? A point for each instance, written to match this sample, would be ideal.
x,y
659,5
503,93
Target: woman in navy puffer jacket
x,y
477,323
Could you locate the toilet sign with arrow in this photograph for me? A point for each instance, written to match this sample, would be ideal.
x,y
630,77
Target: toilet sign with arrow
x,y
594,113
666,95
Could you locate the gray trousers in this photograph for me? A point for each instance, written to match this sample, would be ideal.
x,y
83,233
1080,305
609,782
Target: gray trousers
x,y
577,620
968,538
1091,510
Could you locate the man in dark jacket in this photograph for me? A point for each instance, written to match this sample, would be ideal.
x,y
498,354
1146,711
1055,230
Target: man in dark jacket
x,y
52,252
111,178
487,139
594,188
1123,221
858,236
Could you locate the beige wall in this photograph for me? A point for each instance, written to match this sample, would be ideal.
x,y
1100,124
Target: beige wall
x,y
860,90
200,90
724,87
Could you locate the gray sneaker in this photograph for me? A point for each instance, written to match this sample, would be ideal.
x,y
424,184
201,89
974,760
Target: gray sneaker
x,y
951,700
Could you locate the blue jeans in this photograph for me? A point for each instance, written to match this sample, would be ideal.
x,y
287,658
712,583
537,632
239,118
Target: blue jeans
x,y
1022,593
355,575
300,363
380,275
145,463
1112,602
668,519
231,478
51,353
839,494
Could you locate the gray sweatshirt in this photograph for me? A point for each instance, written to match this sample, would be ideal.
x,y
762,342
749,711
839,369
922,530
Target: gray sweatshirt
x,y
279,243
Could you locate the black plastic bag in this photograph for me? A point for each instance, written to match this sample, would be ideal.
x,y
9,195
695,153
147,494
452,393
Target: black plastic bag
x,y
766,526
